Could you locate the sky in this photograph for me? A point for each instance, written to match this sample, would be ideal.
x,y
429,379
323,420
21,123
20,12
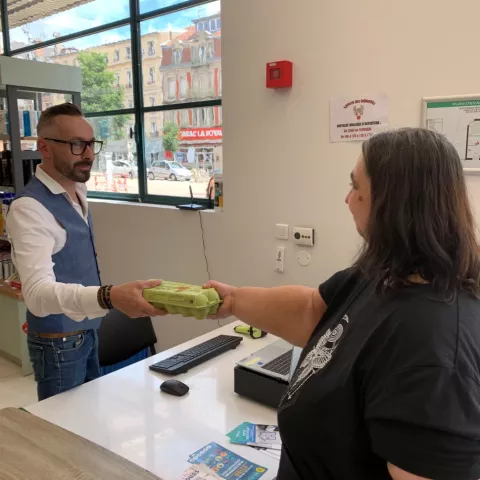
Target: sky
x,y
100,12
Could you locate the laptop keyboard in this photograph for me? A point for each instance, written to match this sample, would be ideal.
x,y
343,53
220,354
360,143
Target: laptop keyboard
x,y
280,364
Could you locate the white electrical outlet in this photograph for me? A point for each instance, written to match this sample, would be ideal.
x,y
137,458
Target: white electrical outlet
x,y
280,260
304,236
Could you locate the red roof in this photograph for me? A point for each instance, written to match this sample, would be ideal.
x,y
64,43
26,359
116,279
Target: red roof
x,y
188,33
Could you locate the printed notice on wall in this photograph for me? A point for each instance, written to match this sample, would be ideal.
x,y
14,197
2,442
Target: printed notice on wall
x,y
357,118
459,120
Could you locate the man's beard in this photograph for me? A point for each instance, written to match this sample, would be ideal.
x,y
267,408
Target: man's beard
x,y
72,172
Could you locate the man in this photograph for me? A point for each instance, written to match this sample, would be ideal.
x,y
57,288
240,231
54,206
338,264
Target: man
x,y
50,230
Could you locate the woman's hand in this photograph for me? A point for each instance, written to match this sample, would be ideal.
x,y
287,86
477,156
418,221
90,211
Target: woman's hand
x,y
227,294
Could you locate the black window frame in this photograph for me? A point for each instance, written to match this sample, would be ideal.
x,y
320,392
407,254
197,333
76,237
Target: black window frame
x,y
139,110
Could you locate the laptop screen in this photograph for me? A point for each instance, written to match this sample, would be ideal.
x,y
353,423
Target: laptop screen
x,y
297,351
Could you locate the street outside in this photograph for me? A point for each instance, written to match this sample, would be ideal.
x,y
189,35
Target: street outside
x,y
155,187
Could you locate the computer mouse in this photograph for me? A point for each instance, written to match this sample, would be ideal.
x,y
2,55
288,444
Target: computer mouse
x,y
174,387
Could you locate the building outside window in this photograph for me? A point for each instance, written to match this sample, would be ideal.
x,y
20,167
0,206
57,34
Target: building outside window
x,y
179,64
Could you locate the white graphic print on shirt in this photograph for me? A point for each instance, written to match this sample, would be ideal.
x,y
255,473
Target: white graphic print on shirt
x,y
318,357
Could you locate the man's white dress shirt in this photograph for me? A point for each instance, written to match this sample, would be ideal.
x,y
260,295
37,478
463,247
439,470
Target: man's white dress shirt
x,y
35,236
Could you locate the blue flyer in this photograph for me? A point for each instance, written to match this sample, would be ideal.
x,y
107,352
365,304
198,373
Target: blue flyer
x,y
267,436
226,464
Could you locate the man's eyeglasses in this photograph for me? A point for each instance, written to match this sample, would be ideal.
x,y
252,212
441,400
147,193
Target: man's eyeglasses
x,y
78,147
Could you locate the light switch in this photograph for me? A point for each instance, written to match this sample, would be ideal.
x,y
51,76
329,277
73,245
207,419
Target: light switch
x,y
280,260
282,231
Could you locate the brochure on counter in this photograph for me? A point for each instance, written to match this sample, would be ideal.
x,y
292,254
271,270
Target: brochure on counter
x,y
225,464
199,472
265,436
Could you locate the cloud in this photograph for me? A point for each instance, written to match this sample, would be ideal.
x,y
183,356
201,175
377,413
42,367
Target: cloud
x,y
69,22
111,38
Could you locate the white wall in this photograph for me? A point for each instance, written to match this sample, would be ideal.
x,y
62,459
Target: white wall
x,y
278,163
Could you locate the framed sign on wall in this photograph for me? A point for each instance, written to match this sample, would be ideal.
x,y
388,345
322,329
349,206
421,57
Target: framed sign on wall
x,y
458,118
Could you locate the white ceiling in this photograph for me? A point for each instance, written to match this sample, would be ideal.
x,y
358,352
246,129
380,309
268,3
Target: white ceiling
x,y
21,12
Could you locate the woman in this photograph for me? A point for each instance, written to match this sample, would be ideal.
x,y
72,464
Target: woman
x,y
388,385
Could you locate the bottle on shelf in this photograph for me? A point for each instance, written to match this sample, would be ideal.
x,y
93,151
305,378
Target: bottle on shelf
x,y
2,197
34,117
27,170
20,123
7,176
3,121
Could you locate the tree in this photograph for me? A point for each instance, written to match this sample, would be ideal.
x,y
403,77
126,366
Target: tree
x,y
101,94
171,142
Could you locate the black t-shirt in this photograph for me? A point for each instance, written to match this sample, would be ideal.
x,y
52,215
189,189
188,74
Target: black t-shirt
x,y
390,377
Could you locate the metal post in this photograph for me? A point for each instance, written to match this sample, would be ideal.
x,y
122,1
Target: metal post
x,y
138,94
5,28
15,140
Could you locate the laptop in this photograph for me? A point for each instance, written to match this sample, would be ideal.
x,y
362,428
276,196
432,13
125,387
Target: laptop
x,y
191,206
278,360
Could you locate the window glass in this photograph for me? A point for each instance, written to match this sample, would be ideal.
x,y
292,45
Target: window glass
x,y
182,60
180,155
34,22
115,167
106,74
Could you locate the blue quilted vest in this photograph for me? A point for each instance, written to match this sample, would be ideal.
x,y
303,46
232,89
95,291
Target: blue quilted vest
x,y
75,263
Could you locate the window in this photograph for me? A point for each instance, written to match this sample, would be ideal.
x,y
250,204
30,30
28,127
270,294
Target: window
x,y
195,87
149,5
180,83
151,49
115,167
184,155
172,89
177,56
98,87
47,24
185,118
201,55
183,88
168,116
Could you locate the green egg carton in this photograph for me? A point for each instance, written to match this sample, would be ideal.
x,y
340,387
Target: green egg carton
x,y
184,299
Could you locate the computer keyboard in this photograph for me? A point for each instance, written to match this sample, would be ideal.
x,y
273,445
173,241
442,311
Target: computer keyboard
x,y
280,364
184,361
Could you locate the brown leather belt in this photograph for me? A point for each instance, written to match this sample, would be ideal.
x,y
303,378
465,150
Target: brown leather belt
x,y
57,335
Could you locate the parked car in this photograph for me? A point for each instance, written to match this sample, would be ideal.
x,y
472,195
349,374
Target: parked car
x,y
122,167
165,169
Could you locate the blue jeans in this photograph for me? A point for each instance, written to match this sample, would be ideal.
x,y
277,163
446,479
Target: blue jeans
x,y
60,364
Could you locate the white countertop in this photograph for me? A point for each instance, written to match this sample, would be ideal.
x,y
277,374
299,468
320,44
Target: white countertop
x,y
126,413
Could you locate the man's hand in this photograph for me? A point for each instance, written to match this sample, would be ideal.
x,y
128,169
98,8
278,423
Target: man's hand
x,y
128,298
227,294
